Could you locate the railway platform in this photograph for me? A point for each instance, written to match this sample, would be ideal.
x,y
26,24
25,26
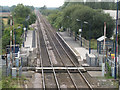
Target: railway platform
x,y
80,53
75,46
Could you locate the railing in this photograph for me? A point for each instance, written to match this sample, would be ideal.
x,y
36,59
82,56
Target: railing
x,y
85,43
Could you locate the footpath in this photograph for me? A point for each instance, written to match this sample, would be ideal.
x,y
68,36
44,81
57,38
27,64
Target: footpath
x,y
80,53
29,55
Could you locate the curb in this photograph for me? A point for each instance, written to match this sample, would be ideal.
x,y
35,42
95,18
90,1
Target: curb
x,y
74,53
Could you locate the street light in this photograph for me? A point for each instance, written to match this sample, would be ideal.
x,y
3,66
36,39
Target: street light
x,y
89,36
89,33
80,30
69,27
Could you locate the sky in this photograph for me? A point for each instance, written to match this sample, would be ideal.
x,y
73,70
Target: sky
x,y
41,3
35,3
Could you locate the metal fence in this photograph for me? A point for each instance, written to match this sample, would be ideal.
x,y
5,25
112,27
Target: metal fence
x,y
85,43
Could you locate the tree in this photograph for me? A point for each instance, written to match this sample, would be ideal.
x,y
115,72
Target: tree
x,y
32,18
12,8
27,16
119,5
20,13
95,18
43,8
6,35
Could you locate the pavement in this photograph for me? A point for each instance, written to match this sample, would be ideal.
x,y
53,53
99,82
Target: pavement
x,y
28,42
31,41
80,52
28,52
95,73
75,45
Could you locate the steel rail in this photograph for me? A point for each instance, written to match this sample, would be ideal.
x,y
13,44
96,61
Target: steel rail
x,y
56,80
43,81
71,59
52,65
62,61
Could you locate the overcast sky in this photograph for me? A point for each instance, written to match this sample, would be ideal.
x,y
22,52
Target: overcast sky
x,y
40,3
36,3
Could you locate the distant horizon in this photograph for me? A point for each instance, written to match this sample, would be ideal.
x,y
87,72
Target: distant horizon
x,y
29,5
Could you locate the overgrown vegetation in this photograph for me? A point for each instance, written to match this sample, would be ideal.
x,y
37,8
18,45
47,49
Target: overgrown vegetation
x,y
66,16
108,74
22,16
10,83
6,35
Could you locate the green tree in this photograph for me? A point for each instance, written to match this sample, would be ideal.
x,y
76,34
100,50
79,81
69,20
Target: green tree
x,y
119,5
6,35
20,13
32,18
95,18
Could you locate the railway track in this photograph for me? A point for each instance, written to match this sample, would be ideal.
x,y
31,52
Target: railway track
x,y
51,51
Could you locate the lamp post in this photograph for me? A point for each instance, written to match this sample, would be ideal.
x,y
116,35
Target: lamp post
x,y
89,33
80,30
89,36
69,27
